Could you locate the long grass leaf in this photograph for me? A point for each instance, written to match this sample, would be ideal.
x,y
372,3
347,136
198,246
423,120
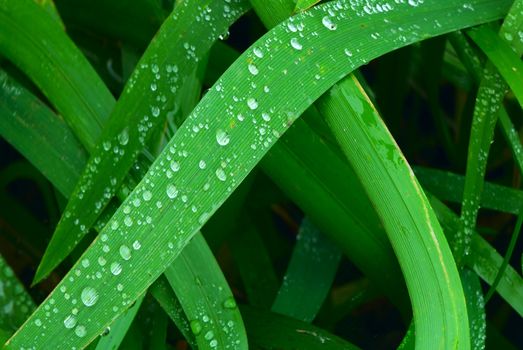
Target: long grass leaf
x,y
410,222
309,275
158,194
145,102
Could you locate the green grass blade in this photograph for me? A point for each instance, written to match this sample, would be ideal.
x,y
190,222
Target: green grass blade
x,y
255,267
42,50
475,308
272,331
40,135
309,276
15,303
154,230
118,330
206,299
162,291
409,221
147,99
302,5
501,54
489,99
484,260
449,187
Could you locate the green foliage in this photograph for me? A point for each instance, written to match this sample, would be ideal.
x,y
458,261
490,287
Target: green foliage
x,y
172,177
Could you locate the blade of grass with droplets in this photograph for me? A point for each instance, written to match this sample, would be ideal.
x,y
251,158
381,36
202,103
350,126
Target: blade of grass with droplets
x,y
506,61
40,135
410,223
449,187
163,293
152,224
15,303
147,98
489,99
268,330
475,308
309,275
484,260
37,44
302,5
206,299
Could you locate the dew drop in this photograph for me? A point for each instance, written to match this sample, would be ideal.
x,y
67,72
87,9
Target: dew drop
x,y
222,137
116,268
253,69
252,103
175,166
85,263
70,321
102,261
136,245
171,191
155,111
295,44
147,195
125,252
229,303
266,116
196,327
202,165
89,296
80,331
327,22
258,52
220,174
123,137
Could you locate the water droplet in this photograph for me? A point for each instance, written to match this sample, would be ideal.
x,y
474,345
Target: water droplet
x,y
106,332
222,137
155,111
252,103
327,22
80,331
172,191
253,69
196,327
89,296
295,44
116,268
220,174
102,261
266,116
85,262
70,321
123,137
229,303
125,252
202,165
154,87
209,335
175,166
258,52
147,195
348,52
136,245
38,322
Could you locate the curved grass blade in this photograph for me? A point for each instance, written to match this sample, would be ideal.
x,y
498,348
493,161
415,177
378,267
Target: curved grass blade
x,y
272,331
187,199
409,221
501,54
309,276
147,98
206,299
490,96
40,135
15,304
37,44
484,260
303,5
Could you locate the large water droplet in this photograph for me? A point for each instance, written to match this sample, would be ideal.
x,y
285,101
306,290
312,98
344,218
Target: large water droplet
x,y
116,268
253,69
80,331
123,137
89,296
229,303
147,195
295,44
202,165
222,137
252,103
70,321
196,327
220,174
175,166
136,245
171,191
125,252
258,52
327,22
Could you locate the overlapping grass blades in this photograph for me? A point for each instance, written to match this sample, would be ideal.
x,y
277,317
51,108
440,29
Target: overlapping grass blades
x,y
154,242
